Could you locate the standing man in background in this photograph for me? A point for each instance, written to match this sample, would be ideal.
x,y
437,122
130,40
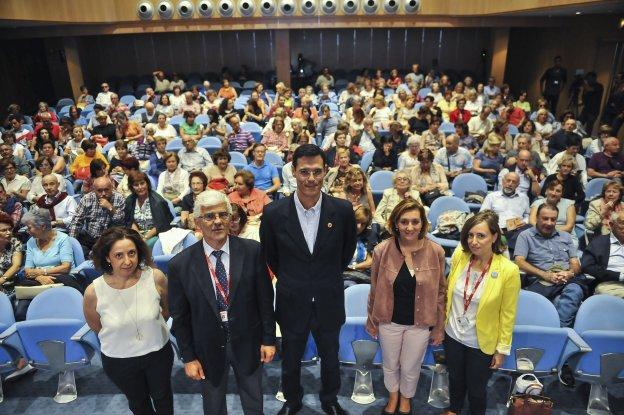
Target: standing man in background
x,y
552,83
309,239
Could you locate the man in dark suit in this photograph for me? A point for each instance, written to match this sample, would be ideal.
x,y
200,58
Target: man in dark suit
x,y
603,258
308,239
221,301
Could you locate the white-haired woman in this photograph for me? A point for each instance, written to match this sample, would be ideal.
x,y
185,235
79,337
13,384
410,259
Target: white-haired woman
x,y
409,158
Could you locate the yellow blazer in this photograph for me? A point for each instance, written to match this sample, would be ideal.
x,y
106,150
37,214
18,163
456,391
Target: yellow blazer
x,y
496,314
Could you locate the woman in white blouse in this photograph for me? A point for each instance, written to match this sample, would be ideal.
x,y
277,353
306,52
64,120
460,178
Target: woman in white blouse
x,y
173,183
163,129
164,106
44,166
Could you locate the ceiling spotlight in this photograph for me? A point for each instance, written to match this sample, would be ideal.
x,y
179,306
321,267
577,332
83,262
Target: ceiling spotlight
x,y
328,6
165,10
226,8
145,10
287,7
350,6
185,9
308,7
267,7
371,6
246,8
205,8
391,6
412,6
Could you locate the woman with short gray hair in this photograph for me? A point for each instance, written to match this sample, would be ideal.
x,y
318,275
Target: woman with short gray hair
x,y
49,257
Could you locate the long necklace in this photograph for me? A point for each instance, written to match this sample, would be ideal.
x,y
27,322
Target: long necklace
x,y
139,335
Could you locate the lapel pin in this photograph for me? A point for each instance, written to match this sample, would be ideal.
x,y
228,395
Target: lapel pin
x,y
329,225
495,275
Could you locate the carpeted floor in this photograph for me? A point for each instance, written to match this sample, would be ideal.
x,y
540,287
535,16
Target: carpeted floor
x,y
33,394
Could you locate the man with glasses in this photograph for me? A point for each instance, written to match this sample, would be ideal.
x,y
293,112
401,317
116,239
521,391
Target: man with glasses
x,y
104,97
309,239
221,302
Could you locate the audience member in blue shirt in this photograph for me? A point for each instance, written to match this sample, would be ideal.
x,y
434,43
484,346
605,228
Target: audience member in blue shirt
x,y
266,175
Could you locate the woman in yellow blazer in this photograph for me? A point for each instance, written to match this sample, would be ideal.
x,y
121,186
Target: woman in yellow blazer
x,y
483,289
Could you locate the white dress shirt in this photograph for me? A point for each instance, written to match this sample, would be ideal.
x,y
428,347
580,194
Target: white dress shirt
x,y
507,207
309,220
225,258
616,256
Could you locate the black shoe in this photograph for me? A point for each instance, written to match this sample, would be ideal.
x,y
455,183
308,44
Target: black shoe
x,y
566,377
290,409
333,409
384,412
405,413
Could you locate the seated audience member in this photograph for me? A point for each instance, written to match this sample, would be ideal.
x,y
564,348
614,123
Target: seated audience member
x,y
163,129
325,95
454,159
144,147
238,224
177,99
265,174
254,111
127,130
198,182
481,126
43,111
511,206
447,105
527,128
189,128
409,158
165,107
44,167
117,157
432,138
407,112
47,124
473,104
72,147
193,158
21,134
105,131
251,199
551,263
597,144
220,174
328,123
173,182
14,184
188,105
239,140
275,138
566,219
79,168
460,114
333,183
150,115
227,91
513,114
600,209
151,96
368,137
573,146
603,258
566,115
48,149
157,159
11,205
117,107
500,130
161,83
10,254
381,113
558,142
18,150
428,177
530,178
85,98
522,102
49,257
97,168
399,138
6,153
358,270
356,189
300,135
572,187
103,98
385,157
524,142
609,163
146,211
419,123
97,210
466,141
289,184
401,189
59,204
129,164
331,140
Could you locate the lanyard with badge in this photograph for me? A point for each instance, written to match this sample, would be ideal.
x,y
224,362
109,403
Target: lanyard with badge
x,y
462,321
224,292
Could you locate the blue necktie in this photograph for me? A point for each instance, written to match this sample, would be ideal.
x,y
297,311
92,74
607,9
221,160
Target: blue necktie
x,y
223,280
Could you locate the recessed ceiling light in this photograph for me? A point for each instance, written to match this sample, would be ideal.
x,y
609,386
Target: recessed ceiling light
x,y
577,13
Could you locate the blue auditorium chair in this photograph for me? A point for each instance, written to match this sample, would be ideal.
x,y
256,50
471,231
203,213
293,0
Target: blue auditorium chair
x,y
422,93
54,337
274,159
439,206
174,145
8,357
249,85
128,100
210,143
253,128
512,130
594,188
161,260
238,159
380,181
599,322
356,300
367,160
64,102
447,128
469,182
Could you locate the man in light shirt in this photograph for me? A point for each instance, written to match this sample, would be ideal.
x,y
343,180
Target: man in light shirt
x,y
193,158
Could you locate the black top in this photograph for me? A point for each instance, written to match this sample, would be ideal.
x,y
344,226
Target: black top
x,y
404,297
188,203
107,131
572,188
417,126
381,160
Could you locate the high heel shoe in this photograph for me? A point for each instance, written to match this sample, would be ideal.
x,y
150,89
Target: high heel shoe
x,y
384,412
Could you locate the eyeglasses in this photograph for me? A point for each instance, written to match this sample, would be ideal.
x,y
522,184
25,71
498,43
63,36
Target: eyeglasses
x,y
307,172
211,216
4,230
402,179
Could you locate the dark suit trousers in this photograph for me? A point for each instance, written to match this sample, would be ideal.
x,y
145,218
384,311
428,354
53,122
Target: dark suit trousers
x,y
249,389
293,347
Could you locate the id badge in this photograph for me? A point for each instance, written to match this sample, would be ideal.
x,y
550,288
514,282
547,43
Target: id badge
x,y
463,323
224,316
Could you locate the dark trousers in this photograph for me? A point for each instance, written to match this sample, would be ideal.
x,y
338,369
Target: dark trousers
x,y
249,388
145,380
22,305
469,372
553,100
293,347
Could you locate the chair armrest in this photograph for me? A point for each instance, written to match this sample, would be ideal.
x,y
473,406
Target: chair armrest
x,y
87,339
578,341
12,343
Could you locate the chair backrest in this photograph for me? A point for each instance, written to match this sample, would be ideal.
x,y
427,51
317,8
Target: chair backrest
x,y
274,159
366,160
64,102
513,130
238,158
189,240
600,312
444,204
176,120
69,187
77,251
468,182
7,318
356,300
209,141
447,128
202,119
251,127
423,92
381,180
536,310
249,84
59,302
107,147
594,187
174,145
127,100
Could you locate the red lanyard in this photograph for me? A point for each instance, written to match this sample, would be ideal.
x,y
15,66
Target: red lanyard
x,y
225,295
476,286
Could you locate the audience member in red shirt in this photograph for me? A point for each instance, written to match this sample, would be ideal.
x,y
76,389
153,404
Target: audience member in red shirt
x,y
459,114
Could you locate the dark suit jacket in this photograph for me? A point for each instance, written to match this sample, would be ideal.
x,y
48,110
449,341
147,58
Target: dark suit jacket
x,y
596,259
193,306
302,276
161,215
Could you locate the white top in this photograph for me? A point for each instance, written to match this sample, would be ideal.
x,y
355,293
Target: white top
x,y
16,185
465,335
290,182
225,258
36,188
122,311
507,207
616,256
309,220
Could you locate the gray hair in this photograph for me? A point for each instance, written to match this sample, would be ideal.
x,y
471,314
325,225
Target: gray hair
x,y
414,139
210,198
39,218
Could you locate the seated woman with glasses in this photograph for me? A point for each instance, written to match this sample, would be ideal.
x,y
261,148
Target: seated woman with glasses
x,y
10,254
251,199
238,225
